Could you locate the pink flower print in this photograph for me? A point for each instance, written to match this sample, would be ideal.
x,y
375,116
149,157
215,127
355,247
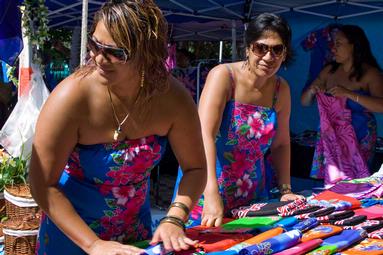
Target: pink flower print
x,y
244,185
240,163
105,188
123,194
256,125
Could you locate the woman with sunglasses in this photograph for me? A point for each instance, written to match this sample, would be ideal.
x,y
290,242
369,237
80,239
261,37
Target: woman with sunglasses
x,y
102,131
244,111
347,91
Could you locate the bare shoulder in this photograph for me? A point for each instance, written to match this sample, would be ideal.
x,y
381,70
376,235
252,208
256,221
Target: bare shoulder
x,y
372,73
284,97
284,87
69,96
176,95
325,72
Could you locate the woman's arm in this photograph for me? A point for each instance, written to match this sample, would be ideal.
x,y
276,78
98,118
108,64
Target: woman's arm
x,y
186,141
280,148
318,85
372,102
55,137
214,97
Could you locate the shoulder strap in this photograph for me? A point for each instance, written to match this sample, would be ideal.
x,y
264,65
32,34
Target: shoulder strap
x,y
231,73
276,91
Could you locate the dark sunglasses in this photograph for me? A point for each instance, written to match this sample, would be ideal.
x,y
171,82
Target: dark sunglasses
x,y
113,54
261,49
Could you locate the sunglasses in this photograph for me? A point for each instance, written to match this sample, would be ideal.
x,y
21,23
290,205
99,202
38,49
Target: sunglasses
x,y
261,49
113,54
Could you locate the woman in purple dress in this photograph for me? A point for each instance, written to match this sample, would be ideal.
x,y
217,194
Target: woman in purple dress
x,y
101,132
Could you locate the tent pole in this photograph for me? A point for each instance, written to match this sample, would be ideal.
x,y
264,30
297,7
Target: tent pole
x,y
220,51
233,41
84,29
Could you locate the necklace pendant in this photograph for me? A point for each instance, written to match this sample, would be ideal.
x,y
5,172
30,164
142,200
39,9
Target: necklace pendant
x,y
115,135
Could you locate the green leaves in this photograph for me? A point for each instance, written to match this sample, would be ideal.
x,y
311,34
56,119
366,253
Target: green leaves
x,y
12,170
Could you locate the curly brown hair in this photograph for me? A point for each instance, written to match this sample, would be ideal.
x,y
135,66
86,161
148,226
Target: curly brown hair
x,y
139,27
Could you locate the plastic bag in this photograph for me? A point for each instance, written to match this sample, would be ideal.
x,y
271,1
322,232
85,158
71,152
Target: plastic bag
x,y
17,134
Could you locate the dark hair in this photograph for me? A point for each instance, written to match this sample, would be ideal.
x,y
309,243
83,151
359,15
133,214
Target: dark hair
x,y
269,22
361,53
139,27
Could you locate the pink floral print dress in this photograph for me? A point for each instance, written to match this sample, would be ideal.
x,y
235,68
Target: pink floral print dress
x,y
107,185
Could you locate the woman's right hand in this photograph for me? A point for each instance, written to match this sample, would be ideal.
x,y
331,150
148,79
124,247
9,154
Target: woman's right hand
x,y
212,213
101,247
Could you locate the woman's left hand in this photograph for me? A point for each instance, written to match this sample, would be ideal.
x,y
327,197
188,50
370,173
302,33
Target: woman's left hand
x,y
291,196
339,91
172,237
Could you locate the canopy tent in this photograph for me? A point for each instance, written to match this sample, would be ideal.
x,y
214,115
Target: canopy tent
x,y
217,19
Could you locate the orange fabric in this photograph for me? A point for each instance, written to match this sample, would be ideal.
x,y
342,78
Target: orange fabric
x,y
264,236
366,247
333,197
321,232
24,83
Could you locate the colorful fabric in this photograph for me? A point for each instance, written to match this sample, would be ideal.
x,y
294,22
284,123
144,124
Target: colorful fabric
x,y
321,232
377,234
356,190
372,212
336,216
340,202
301,248
274,244
244,175
107,184
306,224
345,146
251,222
287,223
258,209
368,225
366,247
345,239
352,221
256,239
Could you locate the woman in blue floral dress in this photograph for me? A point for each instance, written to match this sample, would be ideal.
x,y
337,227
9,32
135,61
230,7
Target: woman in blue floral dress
x,y
102,131
244,111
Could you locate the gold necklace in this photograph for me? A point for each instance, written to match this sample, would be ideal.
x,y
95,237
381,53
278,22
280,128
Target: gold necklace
x,y
118,130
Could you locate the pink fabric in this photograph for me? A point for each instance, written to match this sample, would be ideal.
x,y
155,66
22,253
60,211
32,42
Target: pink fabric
x,y
338,142
171,60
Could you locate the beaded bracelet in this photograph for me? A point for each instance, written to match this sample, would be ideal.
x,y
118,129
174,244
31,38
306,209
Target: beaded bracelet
x,y
181,206
173,220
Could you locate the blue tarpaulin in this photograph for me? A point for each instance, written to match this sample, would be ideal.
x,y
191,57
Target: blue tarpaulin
x,y
11,42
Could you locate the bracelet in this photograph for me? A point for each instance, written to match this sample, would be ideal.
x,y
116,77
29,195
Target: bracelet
x,y
181,206
284,189
357,98
173,220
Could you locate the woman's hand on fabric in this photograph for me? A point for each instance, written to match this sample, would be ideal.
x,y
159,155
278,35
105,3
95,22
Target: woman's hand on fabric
x,y
291,196
339,91
315,89
172,236
212,213
101,247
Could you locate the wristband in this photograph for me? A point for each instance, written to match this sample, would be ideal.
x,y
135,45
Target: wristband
x,y
173,220
181,206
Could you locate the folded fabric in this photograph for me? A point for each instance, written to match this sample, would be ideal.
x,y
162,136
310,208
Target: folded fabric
x,y
274,244
372,212
377,234
324,250
287,223
366,247
251,222
258,209
301,210
343,240
367,202
209,242
352,221
336,216
157,249
292,206
252,241
301,248
340,202
306,224
322,212
368,225
321,232
356,190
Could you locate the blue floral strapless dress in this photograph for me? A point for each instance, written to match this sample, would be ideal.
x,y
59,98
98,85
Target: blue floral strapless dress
x,y
108,186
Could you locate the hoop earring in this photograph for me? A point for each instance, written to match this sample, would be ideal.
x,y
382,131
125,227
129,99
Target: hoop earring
x,y
142,78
